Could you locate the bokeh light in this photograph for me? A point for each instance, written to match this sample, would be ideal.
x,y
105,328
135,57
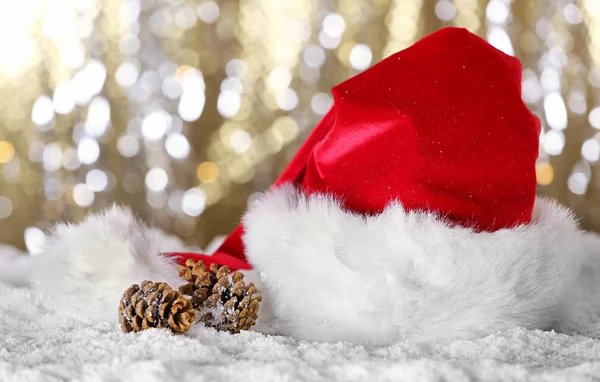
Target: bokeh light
x,y
185,109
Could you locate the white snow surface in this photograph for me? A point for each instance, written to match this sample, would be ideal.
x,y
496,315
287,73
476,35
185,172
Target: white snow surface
x,y
37,344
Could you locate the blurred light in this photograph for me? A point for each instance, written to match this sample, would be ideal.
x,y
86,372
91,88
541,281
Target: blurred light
x,y
208,172
193,202
34,240
53,189
129,12
556,57
360,56
157,199
309,75
274,141
156,125
208,12
36,151
139,93
191,106
285,127
499,39
544,173
63,98
167,69
98,118
193,98
82,195
174,201
150,80
127,74
594,77
156,179
583,167
594,117
53,157
43,110
236,68
577,102
334,25
129,44
320,103
553,142
577,183
497,12
314,56
128,146
550,79
543,27
185,17
17,22
531,90
329,42
81,93
590,150
96,180
280,78
303,30
228,103
240,141
12,171
177,146
159,21
88,150
70,159
572,14
556,112
6,207
171,87
233,84
7,152
286,99
445,10
91,79
176,124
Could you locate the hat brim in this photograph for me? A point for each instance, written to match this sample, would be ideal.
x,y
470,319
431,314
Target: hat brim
x,y
331,275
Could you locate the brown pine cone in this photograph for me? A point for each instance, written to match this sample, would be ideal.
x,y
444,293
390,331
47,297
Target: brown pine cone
x,y
155,305
222,298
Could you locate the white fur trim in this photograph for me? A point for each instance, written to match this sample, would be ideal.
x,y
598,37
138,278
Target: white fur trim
x,y
85,268
333,275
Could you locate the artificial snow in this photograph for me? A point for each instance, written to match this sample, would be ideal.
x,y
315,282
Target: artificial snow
x,y
37,344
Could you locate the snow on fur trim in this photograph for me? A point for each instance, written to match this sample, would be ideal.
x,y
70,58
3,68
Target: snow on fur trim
x,y
337,276
85,268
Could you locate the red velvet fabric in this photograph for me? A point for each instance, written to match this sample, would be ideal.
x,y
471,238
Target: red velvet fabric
x,y
439,126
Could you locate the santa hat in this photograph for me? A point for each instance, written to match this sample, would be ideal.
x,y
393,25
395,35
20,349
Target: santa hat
x,y
410,212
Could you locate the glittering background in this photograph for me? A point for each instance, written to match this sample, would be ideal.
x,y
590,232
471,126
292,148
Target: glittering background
x,y
184,109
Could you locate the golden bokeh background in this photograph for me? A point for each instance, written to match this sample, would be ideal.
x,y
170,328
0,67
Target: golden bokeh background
x,y
185,109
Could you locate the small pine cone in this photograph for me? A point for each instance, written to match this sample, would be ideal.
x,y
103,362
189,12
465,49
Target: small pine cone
x,y
155,305
222,298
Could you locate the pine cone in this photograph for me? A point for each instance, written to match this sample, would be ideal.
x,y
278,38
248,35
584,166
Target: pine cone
x,y
222,298
155,305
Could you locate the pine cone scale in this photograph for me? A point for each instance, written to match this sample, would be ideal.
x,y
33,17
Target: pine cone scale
x,y
155,305
223,299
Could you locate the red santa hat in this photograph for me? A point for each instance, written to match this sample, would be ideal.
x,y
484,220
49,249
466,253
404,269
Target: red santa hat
x,y
409,212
